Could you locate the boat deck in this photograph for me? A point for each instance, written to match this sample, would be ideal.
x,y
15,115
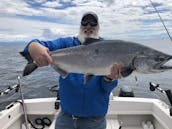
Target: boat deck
x,y
114,124
111,124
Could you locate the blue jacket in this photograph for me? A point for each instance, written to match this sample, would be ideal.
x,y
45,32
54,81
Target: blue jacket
x,y
77,98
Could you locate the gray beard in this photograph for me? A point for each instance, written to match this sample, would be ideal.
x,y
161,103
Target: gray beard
x,y
82,37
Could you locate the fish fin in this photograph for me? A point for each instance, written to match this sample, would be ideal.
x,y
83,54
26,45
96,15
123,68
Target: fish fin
x,y
87,78
126,71
27,57
91,40
29,68
62,72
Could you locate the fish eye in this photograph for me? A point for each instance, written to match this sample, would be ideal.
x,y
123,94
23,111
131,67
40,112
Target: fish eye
x,y
159,59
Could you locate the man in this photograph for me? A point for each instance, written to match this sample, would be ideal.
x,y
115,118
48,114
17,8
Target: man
x,y
83,106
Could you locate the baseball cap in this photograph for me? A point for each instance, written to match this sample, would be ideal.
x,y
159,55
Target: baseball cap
x,y
89,18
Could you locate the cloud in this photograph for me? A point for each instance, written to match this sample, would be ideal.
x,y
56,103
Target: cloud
x,y
52,4
53,33
31,29
124,19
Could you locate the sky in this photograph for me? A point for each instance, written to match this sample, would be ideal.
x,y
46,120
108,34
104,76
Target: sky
x,y
23,20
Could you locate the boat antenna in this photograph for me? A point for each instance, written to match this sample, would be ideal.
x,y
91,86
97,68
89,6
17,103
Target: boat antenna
x,y
162,21
23,104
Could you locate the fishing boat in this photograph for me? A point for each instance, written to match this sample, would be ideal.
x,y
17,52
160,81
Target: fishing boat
x,y
124,112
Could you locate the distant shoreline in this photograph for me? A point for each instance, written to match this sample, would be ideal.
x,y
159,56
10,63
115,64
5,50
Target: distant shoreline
x,y
13,43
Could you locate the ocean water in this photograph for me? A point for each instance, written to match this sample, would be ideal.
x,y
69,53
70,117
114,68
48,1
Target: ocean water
x,y
38,83
34,86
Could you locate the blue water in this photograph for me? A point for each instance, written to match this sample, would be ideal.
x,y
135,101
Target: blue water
x,y
38,83
34,85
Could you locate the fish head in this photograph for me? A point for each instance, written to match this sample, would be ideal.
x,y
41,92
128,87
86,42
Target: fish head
x,y
162,63
154,63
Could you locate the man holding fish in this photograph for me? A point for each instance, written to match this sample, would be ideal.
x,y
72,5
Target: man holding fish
x,y
84,98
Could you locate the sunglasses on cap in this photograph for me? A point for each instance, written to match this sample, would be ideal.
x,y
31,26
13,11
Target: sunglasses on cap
x,y
86,23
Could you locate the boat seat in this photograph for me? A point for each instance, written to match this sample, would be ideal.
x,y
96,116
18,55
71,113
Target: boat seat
x,y
112,124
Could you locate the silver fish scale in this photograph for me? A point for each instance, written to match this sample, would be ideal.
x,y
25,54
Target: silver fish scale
x,y
96,58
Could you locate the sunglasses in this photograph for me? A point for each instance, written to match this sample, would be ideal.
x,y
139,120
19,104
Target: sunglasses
x,y
86,23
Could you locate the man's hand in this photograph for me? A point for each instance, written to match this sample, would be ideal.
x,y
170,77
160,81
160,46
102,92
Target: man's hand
x,y
40,54
115,72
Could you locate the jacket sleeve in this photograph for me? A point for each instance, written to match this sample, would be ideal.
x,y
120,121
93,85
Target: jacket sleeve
x,y
52,45
108,86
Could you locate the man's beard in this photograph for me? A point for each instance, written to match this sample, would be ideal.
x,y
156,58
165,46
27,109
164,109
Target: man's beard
x,y
82,36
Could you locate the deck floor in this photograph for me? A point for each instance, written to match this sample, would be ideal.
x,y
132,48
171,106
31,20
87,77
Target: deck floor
x,y
114,124
111,124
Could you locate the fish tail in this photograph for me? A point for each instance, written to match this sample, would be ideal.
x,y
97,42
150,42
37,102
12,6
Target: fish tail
x,y
31,66
27,57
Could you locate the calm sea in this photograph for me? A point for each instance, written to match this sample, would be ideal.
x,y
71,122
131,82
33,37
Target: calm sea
x,y
38,83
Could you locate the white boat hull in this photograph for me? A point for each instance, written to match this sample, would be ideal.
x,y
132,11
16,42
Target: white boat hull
x,y
129,113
